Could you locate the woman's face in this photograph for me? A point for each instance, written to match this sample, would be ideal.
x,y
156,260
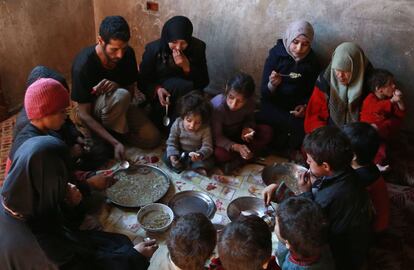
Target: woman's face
x,y
235,101
344,77
178,45
300,46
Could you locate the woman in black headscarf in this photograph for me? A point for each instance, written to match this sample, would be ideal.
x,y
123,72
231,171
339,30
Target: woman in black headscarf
x,y
31,218
173,65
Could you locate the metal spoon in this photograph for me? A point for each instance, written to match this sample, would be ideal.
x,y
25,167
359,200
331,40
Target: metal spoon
x,y
122,166
166,119
292,75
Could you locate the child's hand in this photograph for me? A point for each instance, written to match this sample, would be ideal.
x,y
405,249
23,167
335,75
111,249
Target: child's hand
x,y
243,150
275,79
247,134
101,181
147,248
195,156
269,193
73,195
305,182
299,111
175,162
397,96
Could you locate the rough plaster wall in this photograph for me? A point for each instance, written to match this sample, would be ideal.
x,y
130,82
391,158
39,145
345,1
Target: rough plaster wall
x,y
239,33
39,32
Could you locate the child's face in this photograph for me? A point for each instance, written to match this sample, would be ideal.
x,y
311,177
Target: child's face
x,y
56,120
235,101
192,122
387,90
315,168
300,46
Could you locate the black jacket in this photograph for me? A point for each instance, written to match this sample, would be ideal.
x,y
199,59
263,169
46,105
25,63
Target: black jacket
x,y
347,206
156,68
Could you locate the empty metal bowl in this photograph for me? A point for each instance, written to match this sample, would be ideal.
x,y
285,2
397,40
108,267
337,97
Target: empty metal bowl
x,y
246,206
192,201
286,171
155,217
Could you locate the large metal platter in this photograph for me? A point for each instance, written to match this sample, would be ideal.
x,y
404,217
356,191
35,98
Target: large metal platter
x,y
138,186
192,201
245,206
286,171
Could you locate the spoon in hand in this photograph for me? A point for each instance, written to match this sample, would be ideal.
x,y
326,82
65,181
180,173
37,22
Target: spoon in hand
x,y
166,119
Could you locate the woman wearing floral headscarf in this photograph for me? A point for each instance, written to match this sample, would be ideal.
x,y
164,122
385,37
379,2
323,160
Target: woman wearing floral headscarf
x,y
173,65
284,98
339,90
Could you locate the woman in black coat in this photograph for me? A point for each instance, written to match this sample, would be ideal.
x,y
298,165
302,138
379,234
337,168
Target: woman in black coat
x,y
173,65
36,234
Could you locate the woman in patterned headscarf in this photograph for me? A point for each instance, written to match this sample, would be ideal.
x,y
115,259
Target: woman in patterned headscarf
x,y
284,99
339,90
173,65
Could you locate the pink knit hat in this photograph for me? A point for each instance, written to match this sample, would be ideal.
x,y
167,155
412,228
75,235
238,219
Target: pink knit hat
x,y
45,97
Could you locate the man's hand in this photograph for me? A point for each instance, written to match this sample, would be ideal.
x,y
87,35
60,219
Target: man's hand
x,y
181,60
299,111
73,195
119,151
269,193
162,94
247,134
100,181
104,87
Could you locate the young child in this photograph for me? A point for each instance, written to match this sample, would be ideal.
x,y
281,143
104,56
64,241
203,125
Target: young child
x,y
301,228
245,244
384,108
365,142
337,189
191,242
237,138
189,143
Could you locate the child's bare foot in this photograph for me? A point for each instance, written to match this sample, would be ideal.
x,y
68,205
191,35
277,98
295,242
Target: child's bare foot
x,y
201,171
383,169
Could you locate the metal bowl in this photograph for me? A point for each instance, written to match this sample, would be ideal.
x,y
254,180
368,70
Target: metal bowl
x,y
144,184
286,171
192,201
155,208
246,206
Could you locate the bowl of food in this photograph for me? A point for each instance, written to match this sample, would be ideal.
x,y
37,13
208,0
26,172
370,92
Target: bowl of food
x,y
155,217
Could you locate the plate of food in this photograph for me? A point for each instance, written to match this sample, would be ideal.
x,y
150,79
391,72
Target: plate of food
x,y
286,172
139,185
155,217
191,201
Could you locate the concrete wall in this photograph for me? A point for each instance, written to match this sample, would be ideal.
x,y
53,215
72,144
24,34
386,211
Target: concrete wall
x,y
39,32
239,33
